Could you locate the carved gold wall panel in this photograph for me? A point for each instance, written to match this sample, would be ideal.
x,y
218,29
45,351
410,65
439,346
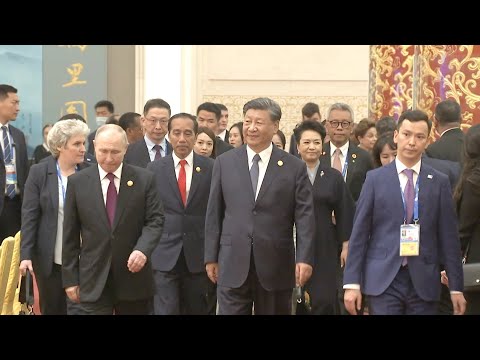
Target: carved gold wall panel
x,y
291,107
391,80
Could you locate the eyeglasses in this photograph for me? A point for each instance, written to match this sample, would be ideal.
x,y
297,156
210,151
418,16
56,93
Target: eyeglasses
x,y
335,123
154,121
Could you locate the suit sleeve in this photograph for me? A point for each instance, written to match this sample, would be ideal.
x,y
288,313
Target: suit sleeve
x,y
469,214
362,228
31,211
344,207
154,220
449,239
71,238
214,215
304,217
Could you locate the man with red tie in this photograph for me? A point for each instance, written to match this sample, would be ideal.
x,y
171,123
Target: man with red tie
x,y
183,181
113,221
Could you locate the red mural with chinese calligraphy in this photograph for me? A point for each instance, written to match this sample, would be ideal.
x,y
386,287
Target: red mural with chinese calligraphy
x,y
449,72
391,80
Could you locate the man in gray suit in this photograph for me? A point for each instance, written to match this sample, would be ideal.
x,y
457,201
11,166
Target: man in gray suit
x,y
183,182
258,192
113,221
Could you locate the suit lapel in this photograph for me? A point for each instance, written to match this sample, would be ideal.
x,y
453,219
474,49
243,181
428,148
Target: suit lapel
x,y
53,182
352,164
97,195
424,189
196,177
172,178
144,153
272,170
391,181
124,192
244,171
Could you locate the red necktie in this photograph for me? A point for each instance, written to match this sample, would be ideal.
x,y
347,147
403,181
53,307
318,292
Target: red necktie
x,y
182,181
111,203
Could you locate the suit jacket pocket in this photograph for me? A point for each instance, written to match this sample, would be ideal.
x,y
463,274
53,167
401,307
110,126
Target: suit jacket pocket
x,y
377,253
226,240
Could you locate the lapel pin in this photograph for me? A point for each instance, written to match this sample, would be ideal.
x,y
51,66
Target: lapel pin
x,y
430,176
129,183
321,173
197,169
323,153
280,163
354,156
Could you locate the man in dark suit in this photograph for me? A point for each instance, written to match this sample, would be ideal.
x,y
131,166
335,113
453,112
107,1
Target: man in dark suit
x,y
351,161
310,111
154,145
222,131
103,110
448,117
258,192
183,183
208,115
391,259
13,164
113,221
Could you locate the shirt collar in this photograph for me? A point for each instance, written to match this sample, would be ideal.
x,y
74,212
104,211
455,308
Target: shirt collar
x,y
401,166
343,148
151,144
264,154
176,159
222,135
7,125
117,172
453,128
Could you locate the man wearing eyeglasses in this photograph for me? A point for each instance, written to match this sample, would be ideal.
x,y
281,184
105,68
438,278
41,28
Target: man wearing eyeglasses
x,y
351,161
154,145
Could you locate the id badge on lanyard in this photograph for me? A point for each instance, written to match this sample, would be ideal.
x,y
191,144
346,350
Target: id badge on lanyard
x,y
410,233
11,174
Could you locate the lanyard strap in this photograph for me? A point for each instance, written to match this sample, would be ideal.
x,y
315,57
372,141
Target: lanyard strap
x,y
415,202
345,166
61,181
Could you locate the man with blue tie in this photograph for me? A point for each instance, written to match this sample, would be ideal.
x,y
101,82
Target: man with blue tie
x,y
154,145
257,194
13,163
400,237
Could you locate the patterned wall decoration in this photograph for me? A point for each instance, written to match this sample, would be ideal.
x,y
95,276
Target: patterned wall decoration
x,y
449,71
391,80
291,107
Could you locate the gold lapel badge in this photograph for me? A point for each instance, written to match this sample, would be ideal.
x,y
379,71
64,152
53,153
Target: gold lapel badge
x,y
354,156
129,183
280,163
197,169
322,173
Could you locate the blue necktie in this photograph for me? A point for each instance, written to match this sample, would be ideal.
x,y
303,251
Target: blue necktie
x,y
158,154
254,174
7,157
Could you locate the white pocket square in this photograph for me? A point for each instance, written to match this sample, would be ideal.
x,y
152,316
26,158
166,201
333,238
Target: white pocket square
x,y
430,176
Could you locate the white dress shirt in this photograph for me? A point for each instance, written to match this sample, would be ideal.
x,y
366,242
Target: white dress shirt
x,y
262,164
188,169
151,151
453,128
222,135
62,186
343,155
105,181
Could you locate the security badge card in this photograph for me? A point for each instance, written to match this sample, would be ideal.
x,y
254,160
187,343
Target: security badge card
x,y
11,174
409,240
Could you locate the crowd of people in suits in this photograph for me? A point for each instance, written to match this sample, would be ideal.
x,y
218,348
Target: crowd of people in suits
x,y
175,214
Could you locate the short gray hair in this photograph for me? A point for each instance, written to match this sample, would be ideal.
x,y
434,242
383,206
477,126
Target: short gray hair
x,y
62,131
341,107
264,104
114,127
